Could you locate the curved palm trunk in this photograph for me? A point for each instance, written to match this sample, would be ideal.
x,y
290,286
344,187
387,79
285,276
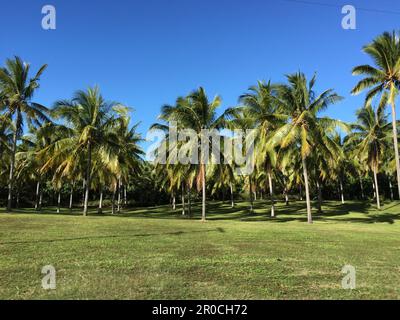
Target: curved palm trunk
x,y
12,166
305,173
37,195
271,193
203,182
396,146
378,202
87,186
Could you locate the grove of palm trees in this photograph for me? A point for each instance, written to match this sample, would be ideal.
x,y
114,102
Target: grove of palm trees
x,y
77,169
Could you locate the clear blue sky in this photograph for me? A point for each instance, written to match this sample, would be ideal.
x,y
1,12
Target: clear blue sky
x,y
146,53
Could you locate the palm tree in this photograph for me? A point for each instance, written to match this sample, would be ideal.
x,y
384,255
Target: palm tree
x,y
17,90
90,120
261,108
198,113
371,137
301,106
382,78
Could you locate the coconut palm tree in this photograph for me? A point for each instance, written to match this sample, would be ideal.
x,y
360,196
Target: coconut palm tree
x,y
303,128
382,78
91,120
371,137
196,112
17,90
261,108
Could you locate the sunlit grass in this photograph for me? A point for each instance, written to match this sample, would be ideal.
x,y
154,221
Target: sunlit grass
x,y
150,253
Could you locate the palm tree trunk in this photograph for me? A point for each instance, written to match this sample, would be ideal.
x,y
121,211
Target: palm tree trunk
x,y
71,197
41,199
286,192
251,195
319,196
12,166
189,201
373,187
58,201
37,195
341,190
362,189
100,209
232,202
183,200
125,197
396,146
203,182
88,176
119,195
378,203
18,198
113,201
391,189
305,173
300,192
271,193
173,201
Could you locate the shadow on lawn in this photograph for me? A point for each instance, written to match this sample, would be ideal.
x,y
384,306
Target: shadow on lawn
x,y
360,212
176,233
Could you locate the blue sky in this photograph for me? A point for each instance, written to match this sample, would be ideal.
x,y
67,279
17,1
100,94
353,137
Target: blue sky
x,y
146,53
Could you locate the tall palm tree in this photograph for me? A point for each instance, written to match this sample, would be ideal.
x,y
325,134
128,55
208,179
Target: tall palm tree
x,y
90,120
371,137
17,90
196,112
382,78
303,128
261,107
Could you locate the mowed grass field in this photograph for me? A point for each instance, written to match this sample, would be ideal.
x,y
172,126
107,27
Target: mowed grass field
x,y
155,253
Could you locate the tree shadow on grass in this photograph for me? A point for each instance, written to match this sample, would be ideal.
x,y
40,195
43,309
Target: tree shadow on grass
x,y
351,211
175,233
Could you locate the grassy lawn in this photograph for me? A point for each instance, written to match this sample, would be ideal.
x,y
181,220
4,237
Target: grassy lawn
x,y
155,253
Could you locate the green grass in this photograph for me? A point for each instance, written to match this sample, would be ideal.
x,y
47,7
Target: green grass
x,y
155,253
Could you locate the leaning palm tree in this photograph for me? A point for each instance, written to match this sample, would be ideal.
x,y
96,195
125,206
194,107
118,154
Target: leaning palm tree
x,y
90,118
17,90
303,128
371,137
382,78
